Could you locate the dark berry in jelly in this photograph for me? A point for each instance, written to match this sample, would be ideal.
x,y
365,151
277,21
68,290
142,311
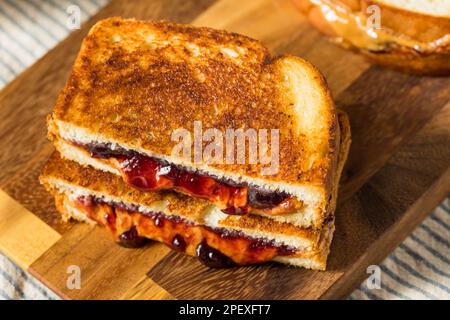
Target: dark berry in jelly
x,y
263,199
178,243
131,239
159,221
213,258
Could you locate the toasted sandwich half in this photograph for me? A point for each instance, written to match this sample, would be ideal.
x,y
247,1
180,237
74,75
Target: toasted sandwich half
x,y
185,224
412,36
135,83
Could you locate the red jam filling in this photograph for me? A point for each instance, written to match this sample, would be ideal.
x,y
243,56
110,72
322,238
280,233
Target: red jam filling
x,y
231,248
150,174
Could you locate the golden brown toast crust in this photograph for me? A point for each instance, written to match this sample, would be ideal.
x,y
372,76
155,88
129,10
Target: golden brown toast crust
x,y
415,26
137,81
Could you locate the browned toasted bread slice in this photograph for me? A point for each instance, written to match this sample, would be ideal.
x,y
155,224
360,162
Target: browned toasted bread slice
x,y
412,36
135,82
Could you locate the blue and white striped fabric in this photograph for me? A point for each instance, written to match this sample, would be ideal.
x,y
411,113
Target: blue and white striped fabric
x,y
418,269
29,28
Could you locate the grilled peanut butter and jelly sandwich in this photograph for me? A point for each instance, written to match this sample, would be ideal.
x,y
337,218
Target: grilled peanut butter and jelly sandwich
x,y
200,139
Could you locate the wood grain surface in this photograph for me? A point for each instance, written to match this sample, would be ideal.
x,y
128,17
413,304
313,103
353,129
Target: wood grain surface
x,y
398,169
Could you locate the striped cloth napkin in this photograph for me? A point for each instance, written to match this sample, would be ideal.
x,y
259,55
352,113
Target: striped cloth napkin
x,y
418,269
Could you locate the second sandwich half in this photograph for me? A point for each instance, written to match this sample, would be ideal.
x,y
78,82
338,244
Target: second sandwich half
x,y
137,86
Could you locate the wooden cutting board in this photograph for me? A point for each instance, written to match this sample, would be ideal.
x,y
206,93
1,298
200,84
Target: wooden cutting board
x,y
398,170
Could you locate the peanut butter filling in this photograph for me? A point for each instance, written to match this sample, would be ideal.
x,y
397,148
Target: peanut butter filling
x,y
349,27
